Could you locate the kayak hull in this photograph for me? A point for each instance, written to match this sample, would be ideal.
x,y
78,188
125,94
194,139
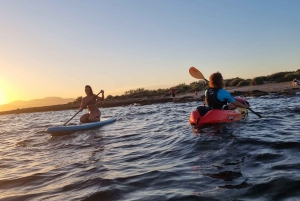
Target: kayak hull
x,y
216,116
81,127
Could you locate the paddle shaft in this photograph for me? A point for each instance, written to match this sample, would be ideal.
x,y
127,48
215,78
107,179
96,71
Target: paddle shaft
x,y
79,110
255,113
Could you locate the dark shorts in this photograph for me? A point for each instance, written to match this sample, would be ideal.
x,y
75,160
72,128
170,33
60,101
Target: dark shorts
x,y
173,95
203,110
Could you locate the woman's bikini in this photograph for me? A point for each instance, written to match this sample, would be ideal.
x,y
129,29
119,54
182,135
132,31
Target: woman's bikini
x,y
92,107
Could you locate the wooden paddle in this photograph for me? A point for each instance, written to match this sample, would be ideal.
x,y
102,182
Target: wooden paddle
x,y
194,72
79,110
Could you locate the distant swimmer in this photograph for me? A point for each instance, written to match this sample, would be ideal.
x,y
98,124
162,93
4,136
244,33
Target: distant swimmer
x,y
218,98
90,101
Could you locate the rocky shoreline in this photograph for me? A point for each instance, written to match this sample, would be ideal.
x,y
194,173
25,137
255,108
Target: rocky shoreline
x,y
284,88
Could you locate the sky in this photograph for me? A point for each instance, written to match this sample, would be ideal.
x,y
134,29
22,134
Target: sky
x,y
55,48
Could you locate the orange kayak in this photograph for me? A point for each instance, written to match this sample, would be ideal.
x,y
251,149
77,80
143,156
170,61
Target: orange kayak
x,y
217,116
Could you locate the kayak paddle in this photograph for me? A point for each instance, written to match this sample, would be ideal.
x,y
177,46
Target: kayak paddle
x,y
194,72
255,113
79,110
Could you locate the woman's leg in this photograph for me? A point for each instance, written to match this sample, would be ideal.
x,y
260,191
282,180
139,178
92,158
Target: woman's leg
x,y
95,116
84,118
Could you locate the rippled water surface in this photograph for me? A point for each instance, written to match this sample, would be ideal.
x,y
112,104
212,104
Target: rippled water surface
x,y
151,153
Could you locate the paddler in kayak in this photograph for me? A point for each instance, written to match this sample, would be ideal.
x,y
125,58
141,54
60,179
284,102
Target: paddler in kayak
x,y
91,103
218,98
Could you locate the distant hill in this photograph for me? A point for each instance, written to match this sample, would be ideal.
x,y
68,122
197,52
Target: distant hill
x,y
35,103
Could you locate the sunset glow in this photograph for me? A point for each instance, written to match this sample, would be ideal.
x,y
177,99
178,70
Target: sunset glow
x,y
3,98
55,48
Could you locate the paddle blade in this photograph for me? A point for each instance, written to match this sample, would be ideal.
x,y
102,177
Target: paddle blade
x,y
194,72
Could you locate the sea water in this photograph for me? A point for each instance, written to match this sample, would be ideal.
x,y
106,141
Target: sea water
x,y
152,153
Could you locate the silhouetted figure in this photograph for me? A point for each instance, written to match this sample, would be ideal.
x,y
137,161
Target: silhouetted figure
x,y
172,92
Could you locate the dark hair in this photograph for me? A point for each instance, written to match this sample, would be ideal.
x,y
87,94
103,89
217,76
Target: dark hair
x,y
216,80
88,86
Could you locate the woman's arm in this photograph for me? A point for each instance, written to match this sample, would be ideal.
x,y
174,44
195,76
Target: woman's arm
x,y
102,96
231,100
238,104
206,103
205,97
